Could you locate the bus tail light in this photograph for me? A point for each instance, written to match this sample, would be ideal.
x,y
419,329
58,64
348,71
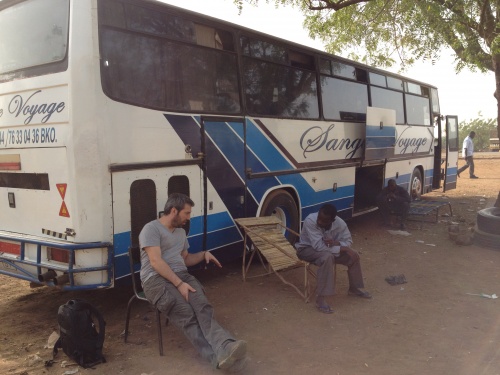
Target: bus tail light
x,y
59,255
11,248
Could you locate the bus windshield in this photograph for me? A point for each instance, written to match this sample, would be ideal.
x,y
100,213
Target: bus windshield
x,y
33,33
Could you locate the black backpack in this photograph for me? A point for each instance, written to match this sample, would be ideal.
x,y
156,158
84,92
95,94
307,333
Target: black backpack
x,y
78,336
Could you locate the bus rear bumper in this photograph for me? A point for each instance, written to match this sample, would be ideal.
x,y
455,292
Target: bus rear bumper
x,y
68,266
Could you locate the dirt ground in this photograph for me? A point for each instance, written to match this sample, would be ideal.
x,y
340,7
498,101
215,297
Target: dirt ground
x,y
430,325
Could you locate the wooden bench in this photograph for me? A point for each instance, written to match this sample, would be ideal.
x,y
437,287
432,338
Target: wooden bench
x,y
268,239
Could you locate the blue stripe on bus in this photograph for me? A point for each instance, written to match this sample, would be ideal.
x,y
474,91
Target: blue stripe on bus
x,y
229,144
214,222
379,142
121,243
257,187
187,129
215,239
375,130
122,265
269,159
266,151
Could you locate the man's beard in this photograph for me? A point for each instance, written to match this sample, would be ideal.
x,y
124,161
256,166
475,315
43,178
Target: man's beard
x,y
177,221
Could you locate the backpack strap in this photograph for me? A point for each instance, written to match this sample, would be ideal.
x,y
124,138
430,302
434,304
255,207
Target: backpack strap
x,y
100,319
57,346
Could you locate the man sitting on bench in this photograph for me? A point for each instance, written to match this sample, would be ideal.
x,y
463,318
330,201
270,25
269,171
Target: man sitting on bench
x,y
393,199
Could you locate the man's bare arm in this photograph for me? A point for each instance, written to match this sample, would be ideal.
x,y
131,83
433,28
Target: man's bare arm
x,y
193,259
162,267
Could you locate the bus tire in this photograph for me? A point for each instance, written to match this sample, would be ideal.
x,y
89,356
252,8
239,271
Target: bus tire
x,y
281,204
416,184
488,220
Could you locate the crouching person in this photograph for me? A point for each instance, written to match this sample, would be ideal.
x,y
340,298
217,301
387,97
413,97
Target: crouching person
x,y
179,295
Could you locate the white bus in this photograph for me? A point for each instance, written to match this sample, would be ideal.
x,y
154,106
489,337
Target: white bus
x,y
108,106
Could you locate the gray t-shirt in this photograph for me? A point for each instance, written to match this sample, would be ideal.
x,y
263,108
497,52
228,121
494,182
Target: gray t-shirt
x,y
170,243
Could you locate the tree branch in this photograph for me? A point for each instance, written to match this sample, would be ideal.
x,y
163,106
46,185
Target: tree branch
x,y
335,5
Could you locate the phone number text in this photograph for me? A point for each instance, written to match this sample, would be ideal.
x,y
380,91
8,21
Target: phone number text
x,y
20,137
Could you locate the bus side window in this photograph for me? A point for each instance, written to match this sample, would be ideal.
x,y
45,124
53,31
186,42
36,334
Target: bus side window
x,y
142,207
179,184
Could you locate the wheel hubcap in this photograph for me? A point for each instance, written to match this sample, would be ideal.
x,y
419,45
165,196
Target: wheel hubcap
x,y
416,188
281,215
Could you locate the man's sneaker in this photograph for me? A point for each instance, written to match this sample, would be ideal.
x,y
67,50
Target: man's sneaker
x,y
230,353
402,226
474,176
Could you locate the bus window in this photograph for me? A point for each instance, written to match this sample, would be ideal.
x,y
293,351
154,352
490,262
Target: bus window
x,y
162,74
162,24
377,79
301,60
395,83
435,101
263,50
383,98
344,100
343,70
418,110
413,88
325,67
33,33
425,91
142,207
276,90
180,184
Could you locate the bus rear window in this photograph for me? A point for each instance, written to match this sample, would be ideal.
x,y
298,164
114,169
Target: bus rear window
x,y
32,33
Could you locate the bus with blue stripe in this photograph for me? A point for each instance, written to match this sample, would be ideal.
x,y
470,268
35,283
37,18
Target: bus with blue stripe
x,y
112,105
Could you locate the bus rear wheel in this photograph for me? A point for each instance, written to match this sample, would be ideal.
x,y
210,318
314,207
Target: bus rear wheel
x,y
416,184
281,204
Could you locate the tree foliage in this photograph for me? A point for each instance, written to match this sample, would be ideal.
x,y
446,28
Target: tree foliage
x,y
483,129
380,32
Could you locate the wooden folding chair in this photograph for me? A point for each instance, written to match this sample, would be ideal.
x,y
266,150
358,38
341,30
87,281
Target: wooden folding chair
x,y
268,239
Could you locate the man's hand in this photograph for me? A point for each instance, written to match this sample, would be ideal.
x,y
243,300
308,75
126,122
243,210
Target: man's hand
x,y
329,242
184,290
210,258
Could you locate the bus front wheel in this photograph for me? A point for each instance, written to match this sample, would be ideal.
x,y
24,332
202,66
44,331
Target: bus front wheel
x,y
416,184
281,204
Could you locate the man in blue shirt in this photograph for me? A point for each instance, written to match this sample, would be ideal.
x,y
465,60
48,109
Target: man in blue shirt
x,y
324,241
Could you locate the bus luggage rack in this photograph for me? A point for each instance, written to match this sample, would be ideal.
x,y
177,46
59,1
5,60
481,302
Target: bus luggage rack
x,y
18,266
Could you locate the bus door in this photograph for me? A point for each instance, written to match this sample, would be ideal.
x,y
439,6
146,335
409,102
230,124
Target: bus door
x,y
380,138
224,182
452,148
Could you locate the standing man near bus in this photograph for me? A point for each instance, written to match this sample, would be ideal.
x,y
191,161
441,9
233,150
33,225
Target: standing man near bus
x,y
324,241
171,289
468,154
